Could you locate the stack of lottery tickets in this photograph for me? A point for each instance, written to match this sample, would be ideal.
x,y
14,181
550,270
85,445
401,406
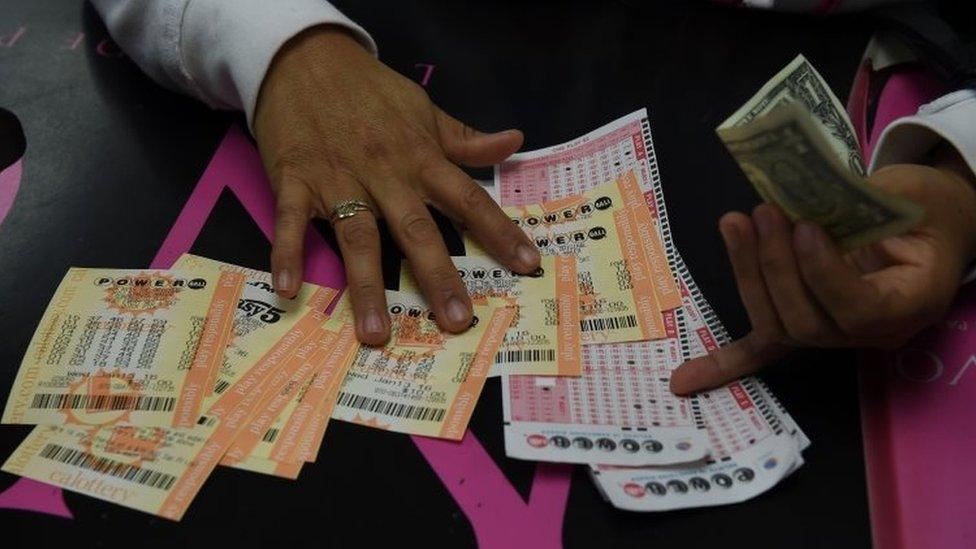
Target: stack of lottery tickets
x,y
598,198
140,382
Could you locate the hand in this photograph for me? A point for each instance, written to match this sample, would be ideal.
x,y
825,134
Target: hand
x,y
799,290
332,124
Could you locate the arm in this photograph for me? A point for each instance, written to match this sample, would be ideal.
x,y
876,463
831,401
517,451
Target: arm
x,y
215,50
333,124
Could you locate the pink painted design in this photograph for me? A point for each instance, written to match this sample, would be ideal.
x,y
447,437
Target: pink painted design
x,y
30,495
499,516
917,403
9,184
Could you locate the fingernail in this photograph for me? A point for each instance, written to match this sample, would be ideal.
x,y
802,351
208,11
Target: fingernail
x,y
528,256
457,311
764,221
283,281
730,234
806,237
373,323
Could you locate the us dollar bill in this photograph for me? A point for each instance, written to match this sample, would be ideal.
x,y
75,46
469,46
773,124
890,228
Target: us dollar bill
x,y
796,145
789,161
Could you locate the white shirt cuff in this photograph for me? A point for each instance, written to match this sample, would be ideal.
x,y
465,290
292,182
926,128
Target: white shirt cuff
x,y
226,46
908,140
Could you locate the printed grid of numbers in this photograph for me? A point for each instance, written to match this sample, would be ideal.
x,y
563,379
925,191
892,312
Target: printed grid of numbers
x,y
573,168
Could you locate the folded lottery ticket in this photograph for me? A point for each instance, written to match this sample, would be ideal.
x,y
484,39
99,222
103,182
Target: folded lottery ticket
x,y
423,381
545,336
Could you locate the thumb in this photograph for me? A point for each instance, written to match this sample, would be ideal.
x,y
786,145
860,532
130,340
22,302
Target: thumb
x,y
467,146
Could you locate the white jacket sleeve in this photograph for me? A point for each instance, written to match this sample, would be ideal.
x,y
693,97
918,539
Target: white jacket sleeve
x,y
951,118
215,50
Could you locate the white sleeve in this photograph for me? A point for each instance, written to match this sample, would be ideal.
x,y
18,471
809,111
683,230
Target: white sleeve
x,y
951,118
215,50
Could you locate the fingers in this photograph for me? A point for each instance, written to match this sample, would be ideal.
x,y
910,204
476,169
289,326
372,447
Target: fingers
x,y
467,146
359,241
420,240
858,306
292,212
802,319
733,361
457,195
742,245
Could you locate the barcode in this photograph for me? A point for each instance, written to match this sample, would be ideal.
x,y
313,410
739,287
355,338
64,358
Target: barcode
x,y
103,402
208,421
221,386
387,408
104,465
612,323
270,435
525,355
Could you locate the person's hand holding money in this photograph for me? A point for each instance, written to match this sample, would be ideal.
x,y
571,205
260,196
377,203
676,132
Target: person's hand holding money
x,y
800,290
344,138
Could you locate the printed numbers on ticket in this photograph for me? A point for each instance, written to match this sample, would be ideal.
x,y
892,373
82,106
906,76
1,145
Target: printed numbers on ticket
x,y
545,337
423,381
117,345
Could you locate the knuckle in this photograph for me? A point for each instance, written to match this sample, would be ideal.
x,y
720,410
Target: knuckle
x,y
292,161
419,229
443,277
359,235
367,290
805,330
854,323
476,200
770,262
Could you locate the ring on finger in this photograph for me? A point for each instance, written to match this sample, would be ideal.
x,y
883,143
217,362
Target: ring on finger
x,y
348,208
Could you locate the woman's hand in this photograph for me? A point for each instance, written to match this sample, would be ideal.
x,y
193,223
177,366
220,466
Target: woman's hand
x,y
334,124
800,291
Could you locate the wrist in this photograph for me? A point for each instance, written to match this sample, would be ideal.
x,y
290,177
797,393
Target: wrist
x,y
319,48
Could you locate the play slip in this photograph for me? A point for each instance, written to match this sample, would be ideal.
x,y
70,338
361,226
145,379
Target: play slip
x,y
617,297
545,336
423,381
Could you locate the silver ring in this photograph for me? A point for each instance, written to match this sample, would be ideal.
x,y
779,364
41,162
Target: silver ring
x,y
348,208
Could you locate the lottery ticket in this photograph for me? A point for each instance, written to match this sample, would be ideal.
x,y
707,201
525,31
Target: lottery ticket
x,y
744,422
617,297
159,470
545,337
122,344
622,193
155,469
423,381
722,482
291,424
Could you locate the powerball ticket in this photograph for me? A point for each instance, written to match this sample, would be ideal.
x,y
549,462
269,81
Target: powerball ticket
x,y
545,337
621,194
122,345
423,381
292,422
158,470
617,297
605,154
